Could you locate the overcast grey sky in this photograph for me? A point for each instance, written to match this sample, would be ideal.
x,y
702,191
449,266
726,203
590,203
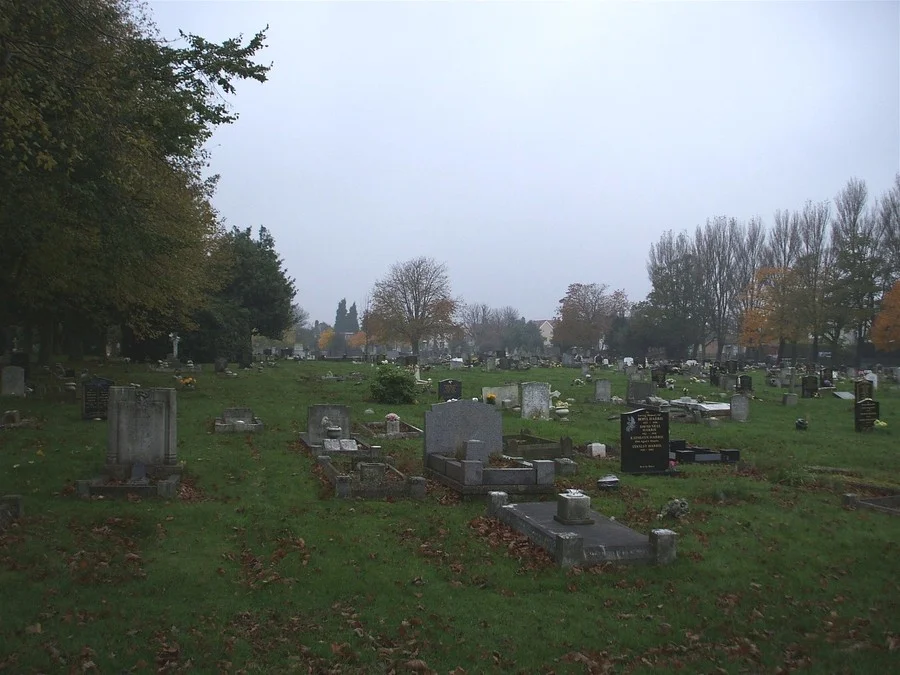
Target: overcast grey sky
x,y
533,145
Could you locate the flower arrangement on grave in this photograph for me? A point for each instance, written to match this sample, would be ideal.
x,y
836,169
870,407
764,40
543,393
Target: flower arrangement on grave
x,y
188,382
675,508
490,399
392,417
879,423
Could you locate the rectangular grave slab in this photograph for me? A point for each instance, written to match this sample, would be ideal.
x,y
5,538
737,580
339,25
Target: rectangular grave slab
x,y
644,441
602,541
845,395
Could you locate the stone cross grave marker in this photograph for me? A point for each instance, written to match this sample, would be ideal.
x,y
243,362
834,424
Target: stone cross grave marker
x,y
645,441
865,412
95,398
449,389
12,381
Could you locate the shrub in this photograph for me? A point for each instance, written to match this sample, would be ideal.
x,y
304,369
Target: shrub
x,y
393,385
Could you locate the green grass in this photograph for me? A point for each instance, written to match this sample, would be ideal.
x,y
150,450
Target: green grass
x,y
266,573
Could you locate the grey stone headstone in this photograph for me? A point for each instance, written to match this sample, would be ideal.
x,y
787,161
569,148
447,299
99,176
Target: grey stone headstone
x,y
13,381
603,391
142,426
534,399
338,415
740,408
638,392
221,364
448,426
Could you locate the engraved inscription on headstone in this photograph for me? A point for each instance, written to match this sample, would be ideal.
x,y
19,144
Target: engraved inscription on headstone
x,y
95,398
865,413
645,441
862,389
449,389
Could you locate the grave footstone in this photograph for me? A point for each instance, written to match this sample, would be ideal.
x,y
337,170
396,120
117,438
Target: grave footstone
x,y
644,441
95,398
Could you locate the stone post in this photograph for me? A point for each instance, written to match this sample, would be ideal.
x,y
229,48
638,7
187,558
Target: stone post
x,y
663,545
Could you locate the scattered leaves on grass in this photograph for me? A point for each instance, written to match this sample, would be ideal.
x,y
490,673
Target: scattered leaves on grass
x,y
515,545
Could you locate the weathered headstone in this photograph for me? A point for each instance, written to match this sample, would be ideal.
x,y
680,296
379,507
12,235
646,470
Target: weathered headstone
x,y
221,364
638,392
745,383
449,426
645,441
740,408
95,398
12,381
863,389
534,398
142,427
865,412
658,377
449,389
603,391
23,361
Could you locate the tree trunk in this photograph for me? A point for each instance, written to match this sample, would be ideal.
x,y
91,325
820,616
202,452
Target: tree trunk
x,y
815,349
46,331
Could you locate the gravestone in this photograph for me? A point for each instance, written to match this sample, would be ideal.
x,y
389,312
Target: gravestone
x,y
603,391
727,381
449,426
221,364
508,392
638,392
865,412
745,383
338,415
809,386
644,441
448,389
95,398
534,397
142,427
740,408
23,361
12,381
658,377
862,389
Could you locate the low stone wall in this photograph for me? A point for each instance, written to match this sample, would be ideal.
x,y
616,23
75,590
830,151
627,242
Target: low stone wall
x,y
372,480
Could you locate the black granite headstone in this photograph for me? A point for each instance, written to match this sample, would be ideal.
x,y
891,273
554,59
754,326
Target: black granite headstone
x,y
865,412
745,383
658,376
862,389
448,389
645,441
95,398
809,386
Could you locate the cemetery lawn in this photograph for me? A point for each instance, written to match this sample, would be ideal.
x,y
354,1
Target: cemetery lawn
x,y
258,569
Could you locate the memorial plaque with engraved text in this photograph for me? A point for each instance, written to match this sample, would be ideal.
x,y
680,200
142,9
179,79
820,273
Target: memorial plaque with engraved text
x,y
645,441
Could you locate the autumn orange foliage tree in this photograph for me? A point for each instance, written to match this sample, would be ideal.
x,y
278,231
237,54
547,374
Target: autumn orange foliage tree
x,y
325,338
357,340
774,313
886,328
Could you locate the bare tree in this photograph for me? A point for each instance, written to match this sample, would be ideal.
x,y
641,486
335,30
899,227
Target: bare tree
x,y
413,301
585,315
889,234
750,254
781,257
813,267
715,246
854,237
